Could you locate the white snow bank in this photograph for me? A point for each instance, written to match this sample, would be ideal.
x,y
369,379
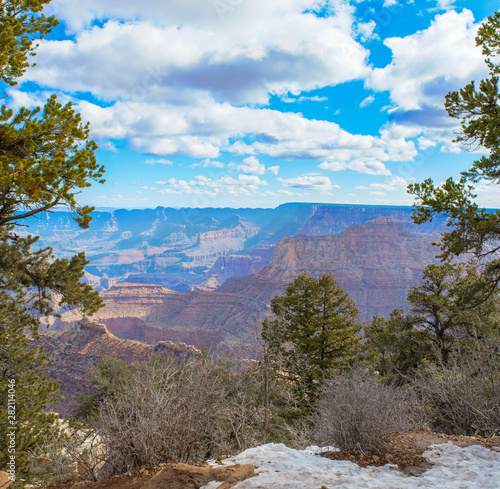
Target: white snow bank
x,y
280,467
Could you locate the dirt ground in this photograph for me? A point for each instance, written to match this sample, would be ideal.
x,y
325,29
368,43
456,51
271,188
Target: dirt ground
x,y
404,448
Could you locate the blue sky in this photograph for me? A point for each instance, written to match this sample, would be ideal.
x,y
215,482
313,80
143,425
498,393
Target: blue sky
x,y
253,103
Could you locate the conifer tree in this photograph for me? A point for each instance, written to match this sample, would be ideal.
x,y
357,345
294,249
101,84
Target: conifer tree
x,y
472,229
314,330
46,158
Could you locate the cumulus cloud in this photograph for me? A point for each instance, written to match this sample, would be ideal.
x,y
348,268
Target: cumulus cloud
x,y
444,4
251,165
394,183
204,130
284,49
175,79
303,98
309,182
425,66
179,78
367,101
207,163
366,30
429,63
202,185
371,167
488,194
161,161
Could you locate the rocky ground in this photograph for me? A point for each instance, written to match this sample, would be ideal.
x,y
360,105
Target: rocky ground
x,y
404,449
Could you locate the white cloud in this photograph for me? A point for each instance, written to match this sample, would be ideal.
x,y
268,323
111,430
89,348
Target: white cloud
x,y
274,169
361,187
175,78
205,128
207,163
378,193
309,182
444,4
278,193
314,98
394,183
202,185
371,167
153,161
367,101
488,194
251,165
428,64
366,30
426,143
168,53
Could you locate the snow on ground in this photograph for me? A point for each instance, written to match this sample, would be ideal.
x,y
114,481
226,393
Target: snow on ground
x,y
280,467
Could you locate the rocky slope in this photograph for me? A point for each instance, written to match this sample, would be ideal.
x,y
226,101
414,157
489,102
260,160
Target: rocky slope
x,y
76,351
375,263
181,248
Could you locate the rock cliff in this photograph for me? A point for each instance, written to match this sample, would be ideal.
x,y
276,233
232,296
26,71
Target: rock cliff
x,y
375,263
177,248
77,351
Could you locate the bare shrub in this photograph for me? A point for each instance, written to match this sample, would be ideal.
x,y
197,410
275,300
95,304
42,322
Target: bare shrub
x,y
163,411
463,397
69,455
166,413
357,410
254,410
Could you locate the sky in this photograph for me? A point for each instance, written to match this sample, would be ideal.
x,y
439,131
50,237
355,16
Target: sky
x,y
254,103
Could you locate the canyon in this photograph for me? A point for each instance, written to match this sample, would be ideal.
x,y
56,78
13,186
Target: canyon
x,y
76,351
205,277
375,262
184,249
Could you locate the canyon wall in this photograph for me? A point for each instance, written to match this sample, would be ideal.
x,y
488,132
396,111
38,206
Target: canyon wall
x,y
76,351
376,263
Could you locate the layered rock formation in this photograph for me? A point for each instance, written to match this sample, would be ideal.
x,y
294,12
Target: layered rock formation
x,y
177,248
375,263
77,351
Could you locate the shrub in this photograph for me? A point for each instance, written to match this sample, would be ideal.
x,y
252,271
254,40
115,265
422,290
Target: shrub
x,y
463,398
167,413
356,410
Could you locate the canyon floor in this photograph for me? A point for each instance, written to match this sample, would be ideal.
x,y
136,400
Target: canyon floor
x,y
411,459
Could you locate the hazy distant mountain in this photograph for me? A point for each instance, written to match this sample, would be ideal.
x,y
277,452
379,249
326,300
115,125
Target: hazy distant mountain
x,y
376,263
182,248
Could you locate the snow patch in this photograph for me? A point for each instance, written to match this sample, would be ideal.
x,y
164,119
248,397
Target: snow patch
x,y
281,467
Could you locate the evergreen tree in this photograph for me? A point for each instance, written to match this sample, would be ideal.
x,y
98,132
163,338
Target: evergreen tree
x,y
397,347
444,315
473,229
46,158
314,331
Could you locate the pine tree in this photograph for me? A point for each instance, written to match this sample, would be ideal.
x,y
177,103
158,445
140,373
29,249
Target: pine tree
x,y
472,229
314,331
46,158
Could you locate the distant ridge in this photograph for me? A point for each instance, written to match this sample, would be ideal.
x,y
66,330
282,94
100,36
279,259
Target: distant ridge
x,y
187,248
376,263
